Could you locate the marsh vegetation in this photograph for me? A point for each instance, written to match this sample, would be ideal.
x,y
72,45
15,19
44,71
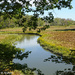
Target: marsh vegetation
x,y
50,40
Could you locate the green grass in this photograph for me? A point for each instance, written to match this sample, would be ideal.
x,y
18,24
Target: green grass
x,y
60,50
9,38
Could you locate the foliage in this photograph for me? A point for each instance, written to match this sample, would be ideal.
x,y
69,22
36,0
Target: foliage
x,y
13,8
43,28
9,52
26,21
40,22
6,23
62,22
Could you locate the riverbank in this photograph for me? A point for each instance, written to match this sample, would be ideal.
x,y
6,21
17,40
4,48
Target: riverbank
x,y
54,48
58,39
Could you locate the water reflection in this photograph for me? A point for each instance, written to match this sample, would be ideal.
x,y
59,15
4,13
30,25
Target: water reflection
x,y
68,71
7,54
27,37
60,59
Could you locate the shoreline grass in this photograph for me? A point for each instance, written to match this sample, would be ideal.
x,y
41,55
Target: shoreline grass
x,y
59,41
58,50
9,38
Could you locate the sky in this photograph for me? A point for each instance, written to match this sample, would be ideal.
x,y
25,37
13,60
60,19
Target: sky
x,y
63,13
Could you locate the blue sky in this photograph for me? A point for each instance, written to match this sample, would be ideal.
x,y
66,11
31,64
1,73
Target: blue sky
x,y
63,13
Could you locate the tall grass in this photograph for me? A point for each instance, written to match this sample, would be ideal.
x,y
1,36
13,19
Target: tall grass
x,y
60,50
9,38
59,39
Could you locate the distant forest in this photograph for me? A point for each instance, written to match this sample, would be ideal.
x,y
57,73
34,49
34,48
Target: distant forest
x,y
20,22
62,22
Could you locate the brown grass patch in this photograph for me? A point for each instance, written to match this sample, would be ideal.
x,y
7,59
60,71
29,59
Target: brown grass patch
x,y
65,38
12,29
61,27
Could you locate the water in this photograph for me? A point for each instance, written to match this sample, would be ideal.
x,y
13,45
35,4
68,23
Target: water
x,y
40,58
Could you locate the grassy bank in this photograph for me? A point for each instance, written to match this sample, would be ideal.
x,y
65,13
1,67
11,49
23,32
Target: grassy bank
x,y
11,30
59,40
9,38
54,47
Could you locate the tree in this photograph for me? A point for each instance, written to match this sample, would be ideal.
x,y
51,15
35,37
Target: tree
x,y
62,22
40,22
12,7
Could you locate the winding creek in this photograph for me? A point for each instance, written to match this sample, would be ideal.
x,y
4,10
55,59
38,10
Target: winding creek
x,y
40,58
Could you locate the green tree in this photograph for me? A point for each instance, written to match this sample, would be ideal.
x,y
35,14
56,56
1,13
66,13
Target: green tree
x,y
13,7
62,22
40,22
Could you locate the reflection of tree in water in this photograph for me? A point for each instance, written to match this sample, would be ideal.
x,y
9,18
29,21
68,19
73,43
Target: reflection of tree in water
x,y
72,53
8,53
60,59
66,71
27,37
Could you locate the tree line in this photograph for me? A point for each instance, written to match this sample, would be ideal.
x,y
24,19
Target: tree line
x,y
27,21
62,22
18,22
11,8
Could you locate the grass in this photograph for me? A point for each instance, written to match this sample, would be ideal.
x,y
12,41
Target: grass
x,y
11,30
65,38
16,29
59,42
59,39
9,38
